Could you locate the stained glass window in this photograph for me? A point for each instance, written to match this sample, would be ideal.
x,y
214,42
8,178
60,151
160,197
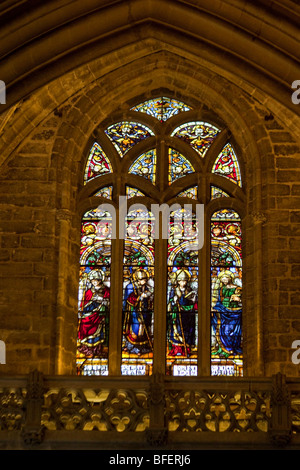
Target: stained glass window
x,y
227,165
124,135
171,266
191,193
94,293
133,192
98,164
179,165
226,294
218,192
138,294
161,108
199,135
182,307
145,165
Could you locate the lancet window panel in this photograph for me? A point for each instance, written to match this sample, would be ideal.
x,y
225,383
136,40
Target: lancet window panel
x,y
94,293
159,297
226,294
138,294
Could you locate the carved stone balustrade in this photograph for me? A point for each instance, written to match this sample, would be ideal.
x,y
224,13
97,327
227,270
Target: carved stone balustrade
x,y
65,412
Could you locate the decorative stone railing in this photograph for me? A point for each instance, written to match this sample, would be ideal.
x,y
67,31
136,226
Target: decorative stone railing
x,y
132,412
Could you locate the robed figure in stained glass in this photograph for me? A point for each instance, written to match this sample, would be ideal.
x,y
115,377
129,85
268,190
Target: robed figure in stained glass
x,y
138,308
92,331
182,306
227,314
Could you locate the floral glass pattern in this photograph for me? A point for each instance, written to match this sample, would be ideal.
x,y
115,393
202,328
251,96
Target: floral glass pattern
x,y
94,293
182,305
138,294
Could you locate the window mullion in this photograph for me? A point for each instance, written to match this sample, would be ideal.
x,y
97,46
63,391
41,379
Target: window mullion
x,y
204,284
160,305
204,304
160,283
115,332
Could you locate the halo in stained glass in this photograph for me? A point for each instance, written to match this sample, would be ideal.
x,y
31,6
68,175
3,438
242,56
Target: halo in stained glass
x,y
145,165
97,163
179,165
199,135
133,192
162,108
124,135
216,192
227,165
191,193
106,192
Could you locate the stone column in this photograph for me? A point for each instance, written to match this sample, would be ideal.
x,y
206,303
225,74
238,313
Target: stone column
x,y
280,426
33,431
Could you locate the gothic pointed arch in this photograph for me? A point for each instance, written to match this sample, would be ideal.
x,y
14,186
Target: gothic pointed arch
x,y
157,298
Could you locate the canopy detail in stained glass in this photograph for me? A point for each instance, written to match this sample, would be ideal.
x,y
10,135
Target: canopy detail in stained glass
x,y
133,192
218,192
226,294
97,164
124,135
199,135
106,192
191,193
161,108
145,165
227,165
179,165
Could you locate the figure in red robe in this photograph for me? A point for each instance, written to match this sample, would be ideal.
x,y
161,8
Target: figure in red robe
x,y
93,331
